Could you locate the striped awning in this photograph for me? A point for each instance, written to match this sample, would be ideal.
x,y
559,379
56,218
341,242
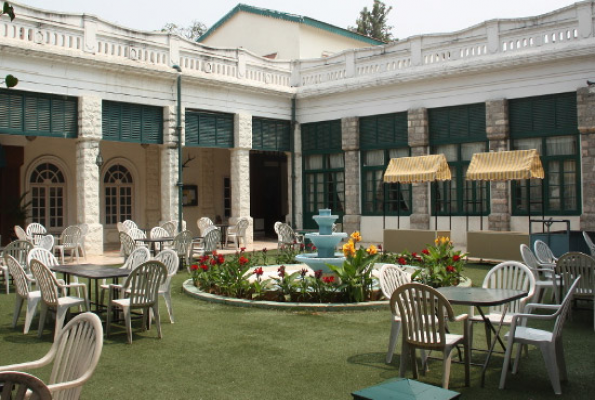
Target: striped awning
x,y
417,169
505,165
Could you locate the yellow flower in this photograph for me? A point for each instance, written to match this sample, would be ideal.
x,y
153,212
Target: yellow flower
x,y
349,249
437,240
356,236
445,240
372,250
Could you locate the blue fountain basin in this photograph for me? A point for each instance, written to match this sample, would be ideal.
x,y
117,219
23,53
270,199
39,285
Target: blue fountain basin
x,y
315,263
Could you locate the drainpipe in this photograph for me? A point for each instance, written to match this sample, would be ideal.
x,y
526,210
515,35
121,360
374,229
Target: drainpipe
x,y
180,183
292,148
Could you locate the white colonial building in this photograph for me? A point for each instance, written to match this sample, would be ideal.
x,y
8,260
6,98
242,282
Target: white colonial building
x,y
275,139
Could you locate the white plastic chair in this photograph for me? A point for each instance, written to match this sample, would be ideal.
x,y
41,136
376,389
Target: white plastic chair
x,y
35,231
550,343
129,224
506,275
157,233
74,354
127,244
170,259
171,227
569,267
136,258
182,245
70,239
84,231
590,243
238,231
46,242
20,386
141,291
544,274
19,250
415,303
22,283
21,234
392,277
544,254
208,243
203,223
48,259
50,289
286,236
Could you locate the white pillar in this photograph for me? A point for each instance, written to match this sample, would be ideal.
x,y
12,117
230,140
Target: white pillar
x,y
240,171
88,173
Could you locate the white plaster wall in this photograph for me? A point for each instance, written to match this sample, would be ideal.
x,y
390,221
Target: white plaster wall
x,y
316,42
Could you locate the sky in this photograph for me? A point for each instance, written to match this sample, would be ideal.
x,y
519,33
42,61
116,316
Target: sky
x,y
408,17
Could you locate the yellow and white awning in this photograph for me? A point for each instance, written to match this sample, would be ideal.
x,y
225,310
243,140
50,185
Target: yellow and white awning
x,y
505,165
417,169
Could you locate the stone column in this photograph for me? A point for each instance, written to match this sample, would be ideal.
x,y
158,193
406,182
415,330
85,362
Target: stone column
x,y
350,144
497,129
88,173
296,200
152,203
169,166
240,171
586,126
419,136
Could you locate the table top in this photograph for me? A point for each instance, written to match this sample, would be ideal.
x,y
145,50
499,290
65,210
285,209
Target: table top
x,y
91,271
478,296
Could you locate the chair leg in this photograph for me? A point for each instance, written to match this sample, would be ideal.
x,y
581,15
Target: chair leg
x,y
170,310
392,342
108,317
446,361
561,360
128,322
404,357
42,315
7,280
517,357
18,306
549,357
60,317
31,310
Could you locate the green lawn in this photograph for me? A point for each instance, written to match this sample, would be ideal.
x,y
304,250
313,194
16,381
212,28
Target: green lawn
x,y
221,352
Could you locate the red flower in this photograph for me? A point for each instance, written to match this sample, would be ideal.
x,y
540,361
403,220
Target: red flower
x,y
456,258
242,249
450,268
303,272
243,260
264,250
213,261
193,267
328,279
220,260
258,271
313,248
281,271
380,247
302,246
204,267
318,274
214,253
426,252
402,261
414,255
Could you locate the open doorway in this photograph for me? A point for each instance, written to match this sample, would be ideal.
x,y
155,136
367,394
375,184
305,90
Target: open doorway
x,y
268,191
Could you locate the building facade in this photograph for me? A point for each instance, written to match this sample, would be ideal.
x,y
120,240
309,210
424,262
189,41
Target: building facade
x,y
270,139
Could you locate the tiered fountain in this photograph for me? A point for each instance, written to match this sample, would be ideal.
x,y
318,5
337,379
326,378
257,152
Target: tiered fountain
x,y
325,241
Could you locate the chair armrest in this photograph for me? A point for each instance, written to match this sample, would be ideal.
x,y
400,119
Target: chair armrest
x,y
531,306
461,317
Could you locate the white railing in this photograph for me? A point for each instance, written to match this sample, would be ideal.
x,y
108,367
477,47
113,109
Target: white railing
x,y
93,37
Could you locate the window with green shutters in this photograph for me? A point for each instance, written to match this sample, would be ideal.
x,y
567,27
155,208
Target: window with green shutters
x,y
548,124
133,123
207,129
323,170
458,132
383,137
37,114
270,134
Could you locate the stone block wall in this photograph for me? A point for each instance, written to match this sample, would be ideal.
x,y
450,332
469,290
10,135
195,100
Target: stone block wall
x,y
418,135
586,124
350,145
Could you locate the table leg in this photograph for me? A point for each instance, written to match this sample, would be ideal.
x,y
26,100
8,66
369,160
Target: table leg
x,y
493,344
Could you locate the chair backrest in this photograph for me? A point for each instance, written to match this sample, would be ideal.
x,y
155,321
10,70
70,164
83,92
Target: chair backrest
x,y
46,242
182,244
544,254
530,260
84,228
211,238
391,277
18,276
128,224
46,281
20,386
511,275
171,227
424,312
71,236
158,232
242,225
590,243
136,258
19,249
170,259
276,227
35,231
43,255
127,242
573,264
143,283
203,223
136,233
76,352
285,234
21,234
120,227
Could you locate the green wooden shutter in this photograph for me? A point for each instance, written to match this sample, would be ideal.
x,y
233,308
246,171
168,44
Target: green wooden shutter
x,y
322,137
383,131
550,115
457,124
270,134
37,114
206,129
132,123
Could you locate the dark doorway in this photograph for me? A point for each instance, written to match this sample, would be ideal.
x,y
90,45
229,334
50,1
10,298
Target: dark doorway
x,y
10,192
268,191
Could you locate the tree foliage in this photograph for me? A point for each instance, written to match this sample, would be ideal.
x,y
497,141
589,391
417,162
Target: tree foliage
x,y
192,32
373,23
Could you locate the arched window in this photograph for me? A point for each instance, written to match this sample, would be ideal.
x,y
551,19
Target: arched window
x,y
48,188
119,191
